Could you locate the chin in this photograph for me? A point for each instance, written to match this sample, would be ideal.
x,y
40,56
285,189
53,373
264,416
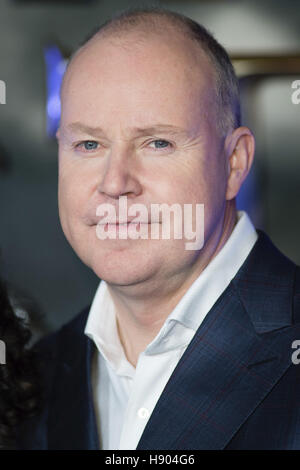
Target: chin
x,y
123,267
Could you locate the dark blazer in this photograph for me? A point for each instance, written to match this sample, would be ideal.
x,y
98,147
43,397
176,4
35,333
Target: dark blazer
x,y
235,387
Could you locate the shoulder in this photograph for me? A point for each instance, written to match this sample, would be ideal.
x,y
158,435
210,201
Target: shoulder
x,y
47,346
268,285
56,348
266,262
51,351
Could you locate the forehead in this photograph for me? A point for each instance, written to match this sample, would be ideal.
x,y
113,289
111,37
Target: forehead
x,y
138,78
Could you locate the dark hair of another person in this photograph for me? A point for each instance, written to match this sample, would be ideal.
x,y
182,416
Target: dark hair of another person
x,y
19,384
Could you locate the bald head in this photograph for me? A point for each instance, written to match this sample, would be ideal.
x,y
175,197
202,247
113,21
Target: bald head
x,y
138,26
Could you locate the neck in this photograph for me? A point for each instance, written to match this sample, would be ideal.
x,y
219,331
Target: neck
x,y
140,317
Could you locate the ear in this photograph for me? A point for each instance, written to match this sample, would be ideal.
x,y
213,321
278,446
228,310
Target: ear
x,y
239,148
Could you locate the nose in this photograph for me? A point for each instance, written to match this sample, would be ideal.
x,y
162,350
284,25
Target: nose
x,y
120,176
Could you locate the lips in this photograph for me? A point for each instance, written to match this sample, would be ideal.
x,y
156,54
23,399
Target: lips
x,y
94,220
122,223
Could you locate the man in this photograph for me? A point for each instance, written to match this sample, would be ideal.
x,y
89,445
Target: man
x,y
181,348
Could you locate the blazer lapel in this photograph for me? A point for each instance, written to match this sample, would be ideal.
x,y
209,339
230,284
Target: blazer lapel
x,y
237,355
72,423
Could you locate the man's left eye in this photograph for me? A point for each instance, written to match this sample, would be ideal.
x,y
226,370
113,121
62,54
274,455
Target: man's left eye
x,y
160,144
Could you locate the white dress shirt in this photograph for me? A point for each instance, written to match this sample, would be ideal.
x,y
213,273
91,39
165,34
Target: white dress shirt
x,y
125,396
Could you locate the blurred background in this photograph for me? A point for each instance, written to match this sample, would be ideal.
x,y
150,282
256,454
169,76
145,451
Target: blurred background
x,y
36,38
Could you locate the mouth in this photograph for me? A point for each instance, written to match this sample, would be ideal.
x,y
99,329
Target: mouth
x,y
123,224
128,222
124,229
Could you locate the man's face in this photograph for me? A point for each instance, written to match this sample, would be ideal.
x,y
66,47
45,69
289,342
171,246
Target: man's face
x,y
138,121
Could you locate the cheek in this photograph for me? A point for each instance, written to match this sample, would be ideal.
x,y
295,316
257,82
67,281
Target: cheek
x,y
184,183
72,192
171,176
198,181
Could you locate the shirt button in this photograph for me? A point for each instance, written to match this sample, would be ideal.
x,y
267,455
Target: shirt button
x,y
143,413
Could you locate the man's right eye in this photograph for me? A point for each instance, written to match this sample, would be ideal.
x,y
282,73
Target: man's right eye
x,y
88,145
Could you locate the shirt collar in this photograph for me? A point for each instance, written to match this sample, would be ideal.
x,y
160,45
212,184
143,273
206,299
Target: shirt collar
x,y
217,275
101,327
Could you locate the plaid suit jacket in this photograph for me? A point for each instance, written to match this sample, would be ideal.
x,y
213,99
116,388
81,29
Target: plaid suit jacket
x,y
235,387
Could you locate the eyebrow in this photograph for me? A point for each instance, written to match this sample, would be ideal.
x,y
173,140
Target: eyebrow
x,y
138,131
